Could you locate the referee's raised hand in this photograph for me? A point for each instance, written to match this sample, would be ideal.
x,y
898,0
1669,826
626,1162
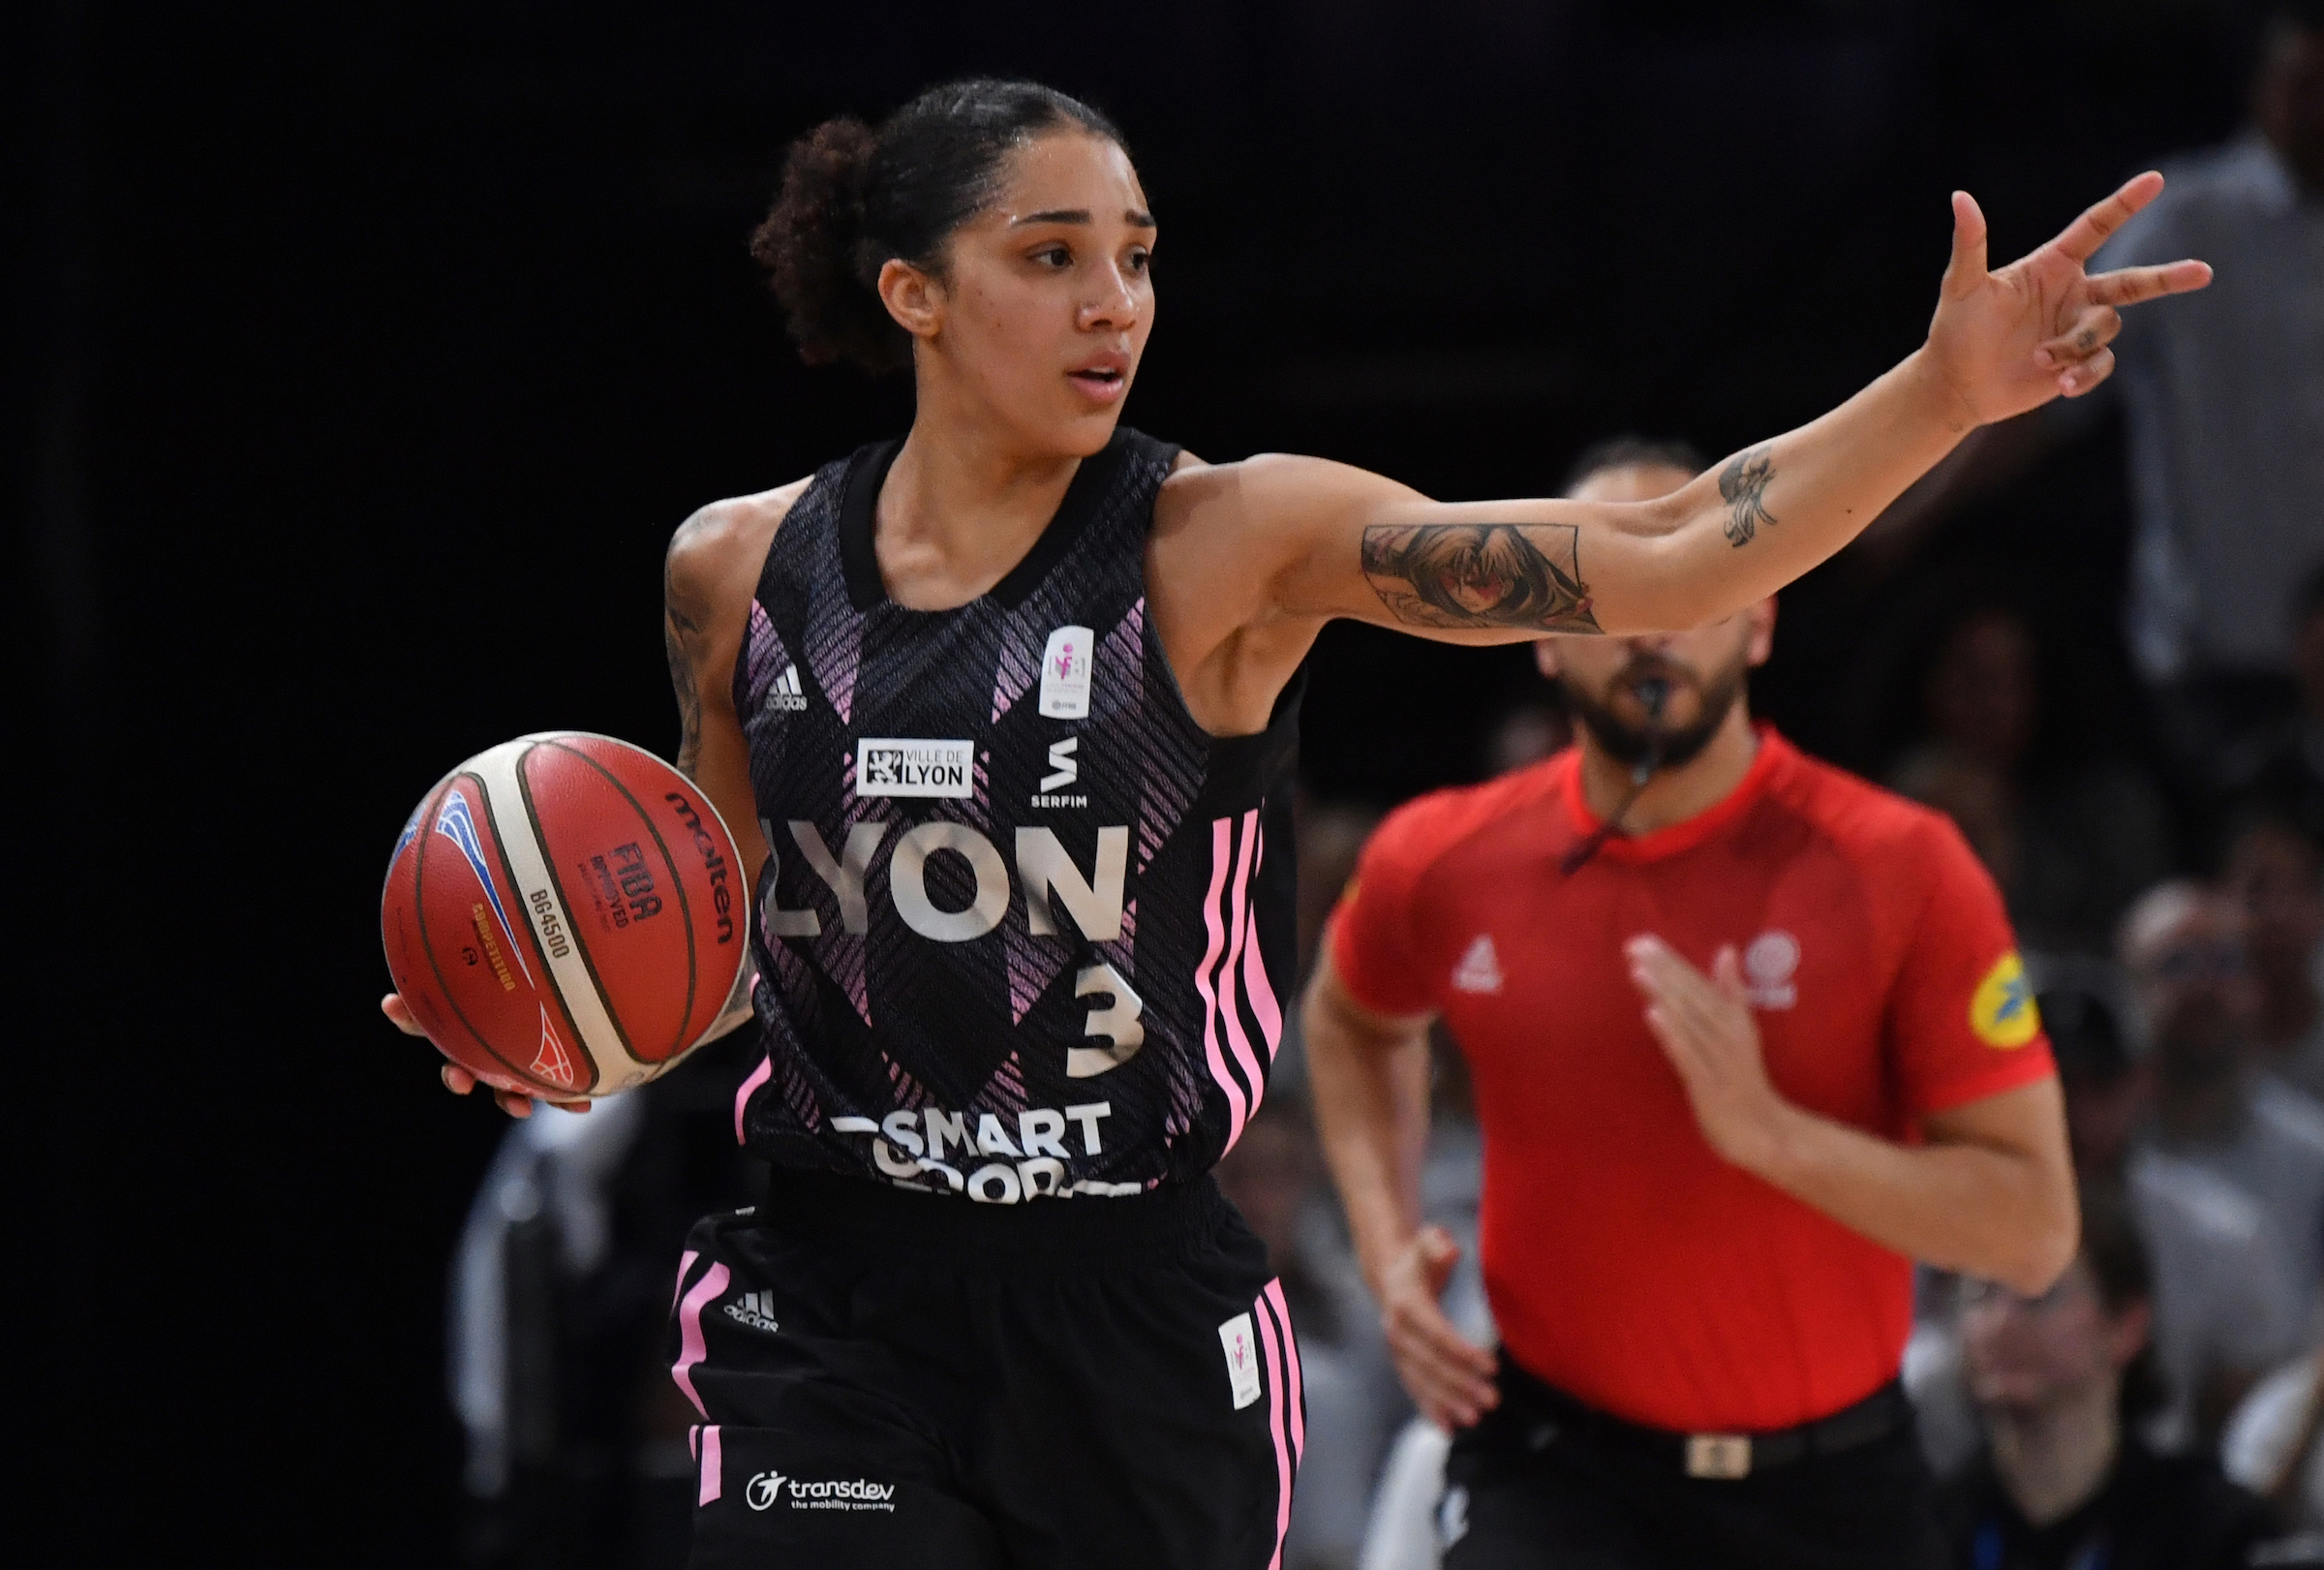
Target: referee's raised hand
x,y
1705,1029
1448,1376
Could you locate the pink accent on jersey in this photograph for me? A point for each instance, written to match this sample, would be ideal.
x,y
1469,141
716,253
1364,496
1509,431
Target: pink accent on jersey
x,y
741,1097
711,1457
1255,985
1236,1037
1237,1113
1275,1417
1291,1365
690,1350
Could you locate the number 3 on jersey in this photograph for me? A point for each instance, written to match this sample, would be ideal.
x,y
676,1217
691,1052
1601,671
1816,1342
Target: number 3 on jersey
x,y
1117,1023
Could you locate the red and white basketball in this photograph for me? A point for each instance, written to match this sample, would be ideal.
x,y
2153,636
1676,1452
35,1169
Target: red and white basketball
x,y
566,916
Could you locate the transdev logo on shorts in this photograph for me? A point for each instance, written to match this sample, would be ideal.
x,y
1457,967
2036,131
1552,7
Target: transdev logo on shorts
x,y
769,1488
900,766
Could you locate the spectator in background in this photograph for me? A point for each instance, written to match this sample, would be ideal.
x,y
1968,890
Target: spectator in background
x,y
2061,1381
2225,405
1525,734
2226,398
2282,768
2277,873
2070,846
2183,947
2274,1447
2226,1304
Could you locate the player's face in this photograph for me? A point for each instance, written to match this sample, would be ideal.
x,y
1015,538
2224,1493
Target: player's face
x,y
1702,671
1046,299
2026,1354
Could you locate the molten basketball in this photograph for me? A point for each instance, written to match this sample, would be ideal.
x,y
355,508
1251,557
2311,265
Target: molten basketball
x,y
566,916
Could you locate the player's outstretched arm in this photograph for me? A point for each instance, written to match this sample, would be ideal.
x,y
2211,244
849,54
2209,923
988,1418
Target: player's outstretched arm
x,y
2000,344
1369,1073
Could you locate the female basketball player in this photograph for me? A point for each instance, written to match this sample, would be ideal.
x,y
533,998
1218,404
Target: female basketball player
x,y
1012,705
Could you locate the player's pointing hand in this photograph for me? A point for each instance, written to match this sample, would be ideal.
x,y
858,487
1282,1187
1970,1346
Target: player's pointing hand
x,y
2009,341
1706,1030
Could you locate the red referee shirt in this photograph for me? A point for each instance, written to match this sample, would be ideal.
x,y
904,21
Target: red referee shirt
x,y
1626,1262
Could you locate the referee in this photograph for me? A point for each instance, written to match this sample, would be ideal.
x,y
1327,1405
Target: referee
x,y
1747,1036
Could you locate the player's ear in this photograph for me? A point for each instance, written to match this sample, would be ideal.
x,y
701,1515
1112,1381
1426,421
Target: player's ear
x,y
1762,631
1544,656
912,297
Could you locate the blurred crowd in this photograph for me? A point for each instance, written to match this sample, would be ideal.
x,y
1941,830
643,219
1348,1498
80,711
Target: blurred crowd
x,y
2167,885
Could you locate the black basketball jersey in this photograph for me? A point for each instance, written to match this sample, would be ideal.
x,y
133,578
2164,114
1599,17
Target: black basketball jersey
x,y
1027,929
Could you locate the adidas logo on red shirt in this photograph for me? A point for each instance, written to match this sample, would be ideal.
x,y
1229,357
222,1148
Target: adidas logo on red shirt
x,y
1480,969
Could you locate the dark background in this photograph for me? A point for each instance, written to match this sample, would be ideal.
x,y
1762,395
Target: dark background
x,y
375,350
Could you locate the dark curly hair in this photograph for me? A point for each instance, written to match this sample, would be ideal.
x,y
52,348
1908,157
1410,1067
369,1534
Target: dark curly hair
x,y
854,195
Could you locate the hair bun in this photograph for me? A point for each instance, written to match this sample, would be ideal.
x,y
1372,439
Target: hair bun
x,y
814,247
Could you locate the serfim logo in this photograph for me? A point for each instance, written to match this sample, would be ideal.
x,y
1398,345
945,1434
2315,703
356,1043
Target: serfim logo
x,y
767,1489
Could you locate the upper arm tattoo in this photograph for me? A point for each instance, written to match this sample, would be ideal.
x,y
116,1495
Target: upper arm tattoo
x,y
1743,486
1524,575
682,630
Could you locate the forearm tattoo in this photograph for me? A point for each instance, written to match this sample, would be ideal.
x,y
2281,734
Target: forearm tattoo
x,y
1524,575
681,631
1743,486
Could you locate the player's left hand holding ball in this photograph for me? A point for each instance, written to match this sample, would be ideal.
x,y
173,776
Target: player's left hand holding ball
x,y
2009,341
456,1079
1706,1030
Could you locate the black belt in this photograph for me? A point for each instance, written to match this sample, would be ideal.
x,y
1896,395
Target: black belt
x,y
1541,1414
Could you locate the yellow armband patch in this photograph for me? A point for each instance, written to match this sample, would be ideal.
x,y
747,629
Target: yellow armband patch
x,y
2002,1009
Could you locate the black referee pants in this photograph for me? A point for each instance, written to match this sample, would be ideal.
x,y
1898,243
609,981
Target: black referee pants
x,y
1542,1484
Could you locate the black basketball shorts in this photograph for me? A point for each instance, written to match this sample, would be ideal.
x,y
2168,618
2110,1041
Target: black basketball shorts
x,y
903,1380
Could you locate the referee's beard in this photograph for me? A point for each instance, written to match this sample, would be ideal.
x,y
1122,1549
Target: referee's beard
x,y
1608,714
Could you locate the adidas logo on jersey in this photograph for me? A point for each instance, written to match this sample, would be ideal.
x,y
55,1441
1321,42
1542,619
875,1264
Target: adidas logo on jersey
x,y
1063,771
1480,969
786,693
755,1309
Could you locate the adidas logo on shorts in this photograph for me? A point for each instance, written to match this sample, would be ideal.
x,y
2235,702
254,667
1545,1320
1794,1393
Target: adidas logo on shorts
x,y
786,693
755,1309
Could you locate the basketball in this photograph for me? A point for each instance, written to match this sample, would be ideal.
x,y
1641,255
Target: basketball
x,y
564,914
